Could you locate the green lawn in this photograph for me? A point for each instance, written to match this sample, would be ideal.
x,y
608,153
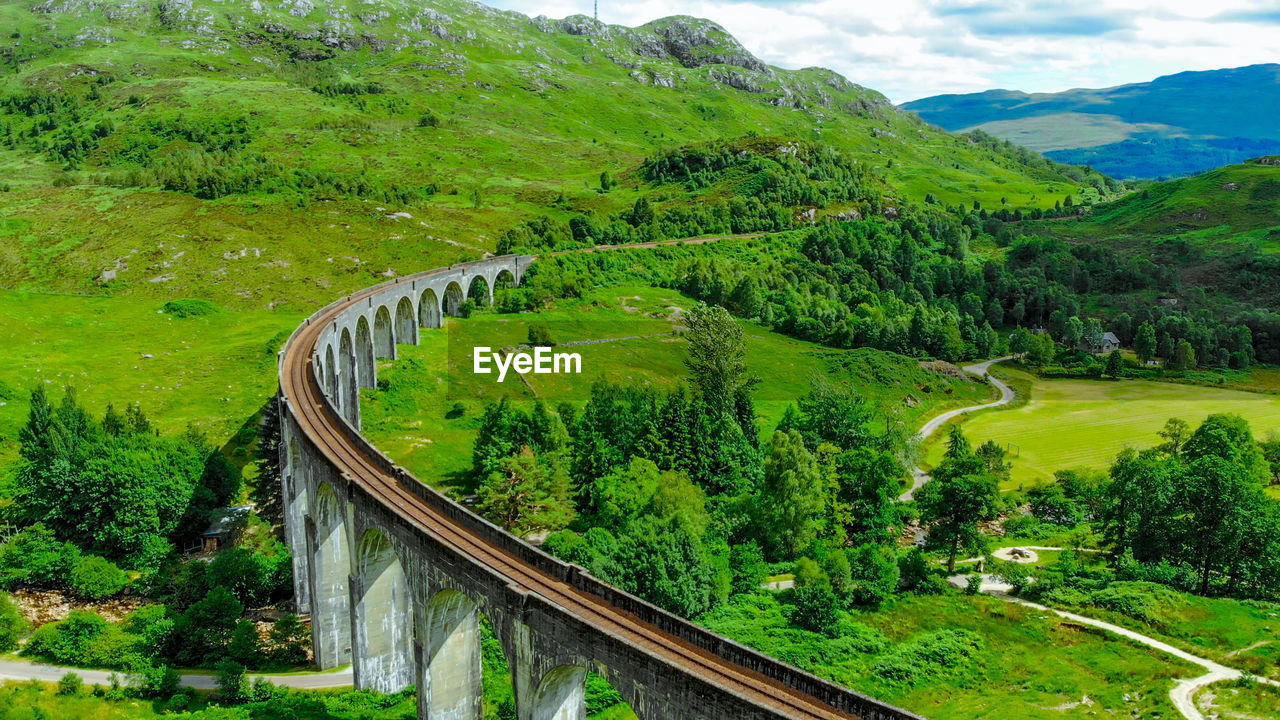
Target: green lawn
x,y
1086,423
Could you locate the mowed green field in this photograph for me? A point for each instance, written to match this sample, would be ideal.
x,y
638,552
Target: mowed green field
x,y
212,372
1071,424
406,416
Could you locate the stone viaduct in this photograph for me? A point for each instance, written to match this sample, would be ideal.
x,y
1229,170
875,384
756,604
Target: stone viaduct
x,y
395,575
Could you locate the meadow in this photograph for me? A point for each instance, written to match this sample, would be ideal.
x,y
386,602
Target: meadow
x,y
1077,424
427,409
213,372
1026,665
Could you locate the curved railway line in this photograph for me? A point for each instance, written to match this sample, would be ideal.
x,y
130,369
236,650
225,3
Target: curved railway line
x,y
366,468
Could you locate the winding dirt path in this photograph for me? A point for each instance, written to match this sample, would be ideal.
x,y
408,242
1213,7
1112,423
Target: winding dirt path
x,y
983,370
1183,691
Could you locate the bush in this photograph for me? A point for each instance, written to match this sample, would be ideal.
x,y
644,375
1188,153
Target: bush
x,y
1138,600
929,654
69,684
289,640
540,336
83,639
973,585
817,609
253,577
190,307
12,624
600,695
35,556
202,633
95,578
230,681
874,576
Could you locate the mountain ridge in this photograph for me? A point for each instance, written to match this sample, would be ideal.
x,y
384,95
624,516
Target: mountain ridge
x,y
251,124
1221,117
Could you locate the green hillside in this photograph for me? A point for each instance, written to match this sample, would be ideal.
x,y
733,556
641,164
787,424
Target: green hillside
x,y
1205,243
274,156
1174,125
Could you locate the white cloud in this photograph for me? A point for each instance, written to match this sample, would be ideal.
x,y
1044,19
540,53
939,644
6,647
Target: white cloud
x,y
915,48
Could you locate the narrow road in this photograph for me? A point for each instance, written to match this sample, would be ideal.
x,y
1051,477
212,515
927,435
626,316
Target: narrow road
x,y
10,670
983,369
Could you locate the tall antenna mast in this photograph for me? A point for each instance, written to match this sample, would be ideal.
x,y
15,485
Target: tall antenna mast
x,y
596,11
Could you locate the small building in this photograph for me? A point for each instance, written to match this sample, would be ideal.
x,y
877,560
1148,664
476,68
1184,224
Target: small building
x,y
1110,343
223,524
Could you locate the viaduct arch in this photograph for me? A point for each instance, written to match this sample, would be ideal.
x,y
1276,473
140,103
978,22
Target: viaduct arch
x,y
394,574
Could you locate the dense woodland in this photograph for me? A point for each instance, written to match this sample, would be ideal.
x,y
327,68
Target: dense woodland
x,y
908,280
106,505
682,499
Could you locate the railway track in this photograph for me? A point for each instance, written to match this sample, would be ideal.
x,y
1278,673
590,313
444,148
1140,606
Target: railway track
x,y
364,465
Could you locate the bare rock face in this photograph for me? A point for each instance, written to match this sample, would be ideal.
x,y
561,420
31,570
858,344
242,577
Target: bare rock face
x,y
1269,160
695,42
583,26
1231,186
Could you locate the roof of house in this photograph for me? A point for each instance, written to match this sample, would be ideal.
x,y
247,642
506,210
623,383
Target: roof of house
x,y
1110,338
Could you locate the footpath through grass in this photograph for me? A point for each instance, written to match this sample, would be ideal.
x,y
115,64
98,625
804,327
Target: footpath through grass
x,y
1072,424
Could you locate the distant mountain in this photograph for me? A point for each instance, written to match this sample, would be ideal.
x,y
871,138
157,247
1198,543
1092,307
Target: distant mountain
x,y
1173,126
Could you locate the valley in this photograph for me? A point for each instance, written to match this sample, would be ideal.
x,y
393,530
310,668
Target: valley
x,y
774,278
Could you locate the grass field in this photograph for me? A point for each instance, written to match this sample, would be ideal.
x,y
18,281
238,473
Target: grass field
x,y
1029,665
1085,423
1239,699
213,372
406,418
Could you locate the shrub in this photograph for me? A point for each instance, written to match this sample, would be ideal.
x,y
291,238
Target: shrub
x,y
817,609
929,654
202,633
874,575
540,335
69,684
230,681
245,646
12,624
190,307
1138,600
36,557
83,639
95,578
253,577
600,695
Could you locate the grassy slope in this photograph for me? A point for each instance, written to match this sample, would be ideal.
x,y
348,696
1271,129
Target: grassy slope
x,y
407,418
1086,423
526,116
213,372
1030,666
1230,200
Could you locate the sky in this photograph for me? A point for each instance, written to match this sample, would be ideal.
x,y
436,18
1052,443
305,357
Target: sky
x,y
909,49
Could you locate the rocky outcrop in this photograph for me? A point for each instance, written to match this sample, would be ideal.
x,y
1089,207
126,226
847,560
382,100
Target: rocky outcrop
x,y
695,42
